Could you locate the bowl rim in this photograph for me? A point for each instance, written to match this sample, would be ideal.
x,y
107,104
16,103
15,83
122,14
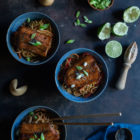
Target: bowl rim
x,y
44,61
57,81
34,108
93,7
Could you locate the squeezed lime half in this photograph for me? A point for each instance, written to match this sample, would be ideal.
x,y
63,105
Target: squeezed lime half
x,y
104,31
120,29
113,49
131,14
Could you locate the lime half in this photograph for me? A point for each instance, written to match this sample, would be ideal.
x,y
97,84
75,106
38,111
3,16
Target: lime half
x,y
131,14
120,29
113,49
104,31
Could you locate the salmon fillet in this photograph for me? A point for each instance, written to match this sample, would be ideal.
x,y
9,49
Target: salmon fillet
x,y
92,69
24,37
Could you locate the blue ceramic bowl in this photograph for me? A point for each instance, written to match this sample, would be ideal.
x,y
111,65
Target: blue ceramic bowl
x,y
21,116
100,89
18,22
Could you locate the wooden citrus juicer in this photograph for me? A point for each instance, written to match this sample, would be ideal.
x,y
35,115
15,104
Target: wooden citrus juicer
x,y
129,58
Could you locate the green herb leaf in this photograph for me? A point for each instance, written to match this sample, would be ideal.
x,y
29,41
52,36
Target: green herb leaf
x,y
38,139
86,73
70,41
42,137
83,25
35,136
78,22
33,36
87,20
35,117
31,113
28,59
44,26
79,68
28,20
37,43
77,14
31,139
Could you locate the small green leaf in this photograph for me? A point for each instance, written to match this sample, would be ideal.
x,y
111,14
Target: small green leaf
x,y
70,41
78,22
33,36
31,113
79,68
86,73
77,14
28,20
28,59
35,117
37,43
31,139
38,139
44,26
42,137
83,25
87,20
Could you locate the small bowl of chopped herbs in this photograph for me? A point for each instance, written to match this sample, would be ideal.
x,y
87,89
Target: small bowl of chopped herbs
x,y
100,5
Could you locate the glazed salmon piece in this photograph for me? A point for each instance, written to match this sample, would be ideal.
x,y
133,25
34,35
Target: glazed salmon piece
x,y
25,37
92,69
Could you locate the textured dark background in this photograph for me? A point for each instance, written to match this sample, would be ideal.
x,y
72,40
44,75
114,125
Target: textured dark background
x,y
42,89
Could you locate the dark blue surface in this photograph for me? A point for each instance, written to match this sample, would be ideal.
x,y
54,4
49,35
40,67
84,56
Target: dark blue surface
x,y
109,132
40,79
100,90
22,19
21,116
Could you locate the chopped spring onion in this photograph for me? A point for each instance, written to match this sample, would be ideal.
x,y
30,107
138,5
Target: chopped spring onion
x,y
87,20
42,137
31,113
35,136
31,139
83,25
33,36
85,64
79,68
70,41
35,117
28,59
72,86
80,76
37,43
86,73
28,20
44,26
77,14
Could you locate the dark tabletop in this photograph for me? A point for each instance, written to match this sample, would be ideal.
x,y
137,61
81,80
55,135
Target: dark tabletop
x,y
40,79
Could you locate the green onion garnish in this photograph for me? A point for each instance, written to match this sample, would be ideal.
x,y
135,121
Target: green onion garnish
x,y
28,20
42,137
86,73
31,139
38,139
87,20
37,43
28,59
44,26
83,25
78,22
35,117
33,36
31,113
70,41
35,136
77,14
79,68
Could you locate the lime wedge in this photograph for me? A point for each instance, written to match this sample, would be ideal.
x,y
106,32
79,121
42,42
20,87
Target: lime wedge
x,y
131,14
104,31
113,49
120,29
